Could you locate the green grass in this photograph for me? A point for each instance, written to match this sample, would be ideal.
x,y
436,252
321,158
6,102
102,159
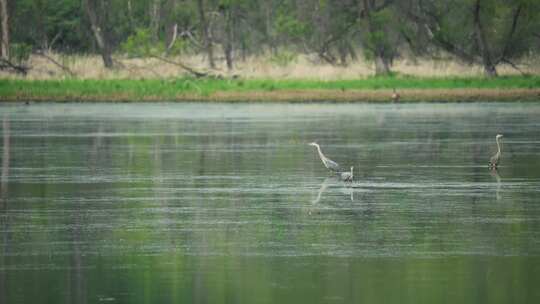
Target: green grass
x,y
375,83
127,89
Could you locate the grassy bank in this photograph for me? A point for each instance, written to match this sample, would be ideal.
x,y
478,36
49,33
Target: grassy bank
x,y
183,89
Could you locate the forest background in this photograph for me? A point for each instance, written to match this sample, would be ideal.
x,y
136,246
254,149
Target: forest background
x,y
277,40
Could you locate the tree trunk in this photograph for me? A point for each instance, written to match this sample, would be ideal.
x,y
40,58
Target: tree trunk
x,y
352,52
489,67
4,52
155,8
230,36
206,34
172,40
99,34
490,70
228,56
342,51
382,66
130,14
268,26
5,159
40,26
171,25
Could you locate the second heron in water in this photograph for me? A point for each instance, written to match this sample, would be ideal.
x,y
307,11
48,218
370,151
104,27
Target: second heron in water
x,y
494,160
347,176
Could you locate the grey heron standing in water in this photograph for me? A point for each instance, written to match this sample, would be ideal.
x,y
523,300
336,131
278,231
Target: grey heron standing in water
x,y
333,166
494,160
328,163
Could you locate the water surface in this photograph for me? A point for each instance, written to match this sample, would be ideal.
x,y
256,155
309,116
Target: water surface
x,y
226,203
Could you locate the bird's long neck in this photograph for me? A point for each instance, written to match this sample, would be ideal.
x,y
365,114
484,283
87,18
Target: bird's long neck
x,y
321,155
498,146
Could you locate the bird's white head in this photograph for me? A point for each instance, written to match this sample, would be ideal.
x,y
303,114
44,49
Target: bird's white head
x,y
313,144
499,136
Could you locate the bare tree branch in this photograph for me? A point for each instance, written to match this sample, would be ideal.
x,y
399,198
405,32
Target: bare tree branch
x,y
508,41
513,65
61,66
187,33
134,68
432,27
183,66
6,65
323,50
384,5
55,38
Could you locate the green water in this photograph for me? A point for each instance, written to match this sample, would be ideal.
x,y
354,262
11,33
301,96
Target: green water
x,y
198,203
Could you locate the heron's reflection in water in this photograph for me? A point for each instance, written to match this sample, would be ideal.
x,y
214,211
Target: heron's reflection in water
x,y
344,188
495,174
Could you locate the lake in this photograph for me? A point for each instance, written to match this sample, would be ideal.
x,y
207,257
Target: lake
x,y
227,203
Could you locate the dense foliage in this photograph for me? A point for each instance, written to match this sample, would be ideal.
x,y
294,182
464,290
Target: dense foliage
x,y
488,32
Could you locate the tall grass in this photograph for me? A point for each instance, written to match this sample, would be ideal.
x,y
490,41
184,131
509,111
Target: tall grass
x,y
304,66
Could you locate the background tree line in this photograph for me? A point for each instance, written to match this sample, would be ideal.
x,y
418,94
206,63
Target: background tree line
x,y
486,32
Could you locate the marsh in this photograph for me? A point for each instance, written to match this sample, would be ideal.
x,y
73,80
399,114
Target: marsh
x,y
215,203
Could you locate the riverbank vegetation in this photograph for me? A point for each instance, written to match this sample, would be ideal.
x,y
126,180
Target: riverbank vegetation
x,y
215,89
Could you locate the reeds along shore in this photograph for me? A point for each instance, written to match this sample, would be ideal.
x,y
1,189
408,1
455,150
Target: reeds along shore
x,y
260,67
260,80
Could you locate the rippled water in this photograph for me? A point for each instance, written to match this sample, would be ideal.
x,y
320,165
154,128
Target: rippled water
x,y
226,203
